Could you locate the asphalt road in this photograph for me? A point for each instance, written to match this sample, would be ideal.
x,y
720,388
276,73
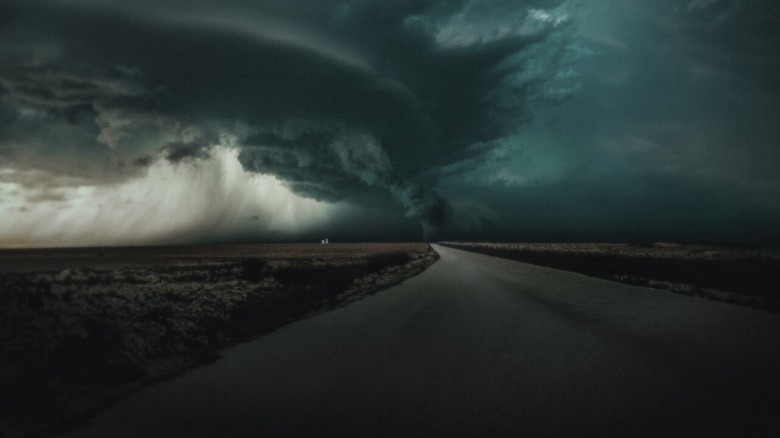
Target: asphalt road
x,y
481,346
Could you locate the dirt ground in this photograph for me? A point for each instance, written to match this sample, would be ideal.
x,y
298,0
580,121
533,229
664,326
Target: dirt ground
x,y
80,327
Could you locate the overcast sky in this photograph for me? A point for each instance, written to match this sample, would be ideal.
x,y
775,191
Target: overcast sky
x,y
172,121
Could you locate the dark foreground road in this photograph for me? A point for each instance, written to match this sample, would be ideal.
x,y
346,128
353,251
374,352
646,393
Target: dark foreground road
x,y
481,346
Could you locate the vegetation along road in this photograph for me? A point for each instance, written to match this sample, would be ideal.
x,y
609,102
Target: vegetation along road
x,y
481,346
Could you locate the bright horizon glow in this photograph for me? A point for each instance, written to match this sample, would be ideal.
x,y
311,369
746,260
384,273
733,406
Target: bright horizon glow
x,y
170,203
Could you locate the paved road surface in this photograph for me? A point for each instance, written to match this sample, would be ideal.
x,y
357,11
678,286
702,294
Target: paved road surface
x,y
481,346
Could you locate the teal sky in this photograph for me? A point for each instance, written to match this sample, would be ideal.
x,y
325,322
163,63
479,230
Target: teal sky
x,y
140,122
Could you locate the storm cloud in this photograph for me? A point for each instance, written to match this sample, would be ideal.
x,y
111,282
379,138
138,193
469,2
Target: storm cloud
x,y
424,108
329,96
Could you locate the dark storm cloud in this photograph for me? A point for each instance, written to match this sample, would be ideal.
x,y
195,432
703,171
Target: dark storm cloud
x,y
329,96
736,36
504,107
180,151
672,135
700,90
326,162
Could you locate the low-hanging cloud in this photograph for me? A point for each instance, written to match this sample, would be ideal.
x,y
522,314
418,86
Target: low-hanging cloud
x,y
329,163
171,203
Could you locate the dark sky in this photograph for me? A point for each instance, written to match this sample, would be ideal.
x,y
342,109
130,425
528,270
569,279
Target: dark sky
x,y
171,121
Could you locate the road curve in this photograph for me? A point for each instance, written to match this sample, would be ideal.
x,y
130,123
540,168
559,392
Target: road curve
x,y
482,346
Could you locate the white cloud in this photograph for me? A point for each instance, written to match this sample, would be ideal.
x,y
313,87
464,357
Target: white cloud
x,y
547,17
479,24
170,203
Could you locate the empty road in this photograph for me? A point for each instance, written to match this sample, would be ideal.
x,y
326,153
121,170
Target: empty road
x,y
481,346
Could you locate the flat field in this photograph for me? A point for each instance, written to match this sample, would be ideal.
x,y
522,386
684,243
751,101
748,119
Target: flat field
x,y
49,259
80,327
745,276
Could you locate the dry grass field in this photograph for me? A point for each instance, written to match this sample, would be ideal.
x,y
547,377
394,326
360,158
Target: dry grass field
x,y
57,259
80,327
745,276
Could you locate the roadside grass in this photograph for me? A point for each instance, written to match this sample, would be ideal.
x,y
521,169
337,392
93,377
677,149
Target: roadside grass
x,y
745,276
